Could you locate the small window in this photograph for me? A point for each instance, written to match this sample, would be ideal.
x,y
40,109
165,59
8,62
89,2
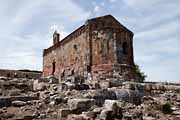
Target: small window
x,y
124,46
75,47
72,72
27,76
8,75
15,75
53,67
88,68
103,25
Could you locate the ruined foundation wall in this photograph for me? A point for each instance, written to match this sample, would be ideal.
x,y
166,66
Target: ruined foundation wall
x,y
19,74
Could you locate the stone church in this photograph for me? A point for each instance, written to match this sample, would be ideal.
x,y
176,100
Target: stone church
x,y
101,48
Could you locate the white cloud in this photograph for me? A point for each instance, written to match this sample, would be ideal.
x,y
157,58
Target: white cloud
x,y
96,8
142,3
59,29
112,1
147,13
164,36
102,4
156,39
27,29
157,51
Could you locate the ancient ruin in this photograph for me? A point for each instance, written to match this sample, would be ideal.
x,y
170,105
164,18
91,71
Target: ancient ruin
x,y
101,47
94,65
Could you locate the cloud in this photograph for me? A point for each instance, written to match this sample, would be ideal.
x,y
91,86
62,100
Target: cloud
x,y
59,29
142,3
155,25
96,9
28,27
157,51
112,1
160,39
143,15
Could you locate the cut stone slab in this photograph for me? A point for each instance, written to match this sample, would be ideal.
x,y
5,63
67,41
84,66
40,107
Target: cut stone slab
x,y
63,113
18,103
108,104
106,115
104,85
131,96
80,105
6,101
39,86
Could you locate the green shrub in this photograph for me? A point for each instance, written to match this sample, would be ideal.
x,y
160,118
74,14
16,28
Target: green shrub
x,y
166,108
141,75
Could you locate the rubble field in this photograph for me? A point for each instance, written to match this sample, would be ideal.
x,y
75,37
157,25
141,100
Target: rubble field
x,y
46,99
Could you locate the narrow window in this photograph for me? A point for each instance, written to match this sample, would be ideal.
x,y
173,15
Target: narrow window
x,y
88,68
72,72
124,46
103,24
8,75
27,76
53,67
15,75
75,47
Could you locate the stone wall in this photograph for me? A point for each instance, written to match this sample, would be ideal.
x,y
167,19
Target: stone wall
x,y
101,46
71,55
112,48
19,74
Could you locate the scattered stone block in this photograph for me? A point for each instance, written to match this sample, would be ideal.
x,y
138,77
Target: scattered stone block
x,y
80,105
18,103
39,86
127,95
104,85
149,118
5,102
28,117
115,83
63,113
106,115
108,104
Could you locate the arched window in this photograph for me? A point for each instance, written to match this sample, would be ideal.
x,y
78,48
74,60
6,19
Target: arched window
x,y
75,47
124,46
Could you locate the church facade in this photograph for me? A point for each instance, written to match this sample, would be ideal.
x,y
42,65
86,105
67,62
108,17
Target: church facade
x,y
101,47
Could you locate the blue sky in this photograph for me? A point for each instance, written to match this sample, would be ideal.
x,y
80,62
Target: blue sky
x,y
27,27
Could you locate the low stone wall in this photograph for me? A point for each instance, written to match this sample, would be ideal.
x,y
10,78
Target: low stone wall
x,y
19,74
153,88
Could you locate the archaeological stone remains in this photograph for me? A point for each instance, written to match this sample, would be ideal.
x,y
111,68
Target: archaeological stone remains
x,y
97,81
101,48
20,73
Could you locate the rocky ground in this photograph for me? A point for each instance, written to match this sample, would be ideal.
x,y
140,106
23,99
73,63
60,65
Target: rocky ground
x,y
27,99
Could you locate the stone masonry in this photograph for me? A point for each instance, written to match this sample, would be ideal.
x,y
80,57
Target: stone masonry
x,y
100,47
20,73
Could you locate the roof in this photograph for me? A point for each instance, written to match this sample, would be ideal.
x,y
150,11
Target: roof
x,y
63,41
110,16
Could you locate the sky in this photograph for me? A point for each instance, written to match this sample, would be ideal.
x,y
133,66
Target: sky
x,y
27,27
